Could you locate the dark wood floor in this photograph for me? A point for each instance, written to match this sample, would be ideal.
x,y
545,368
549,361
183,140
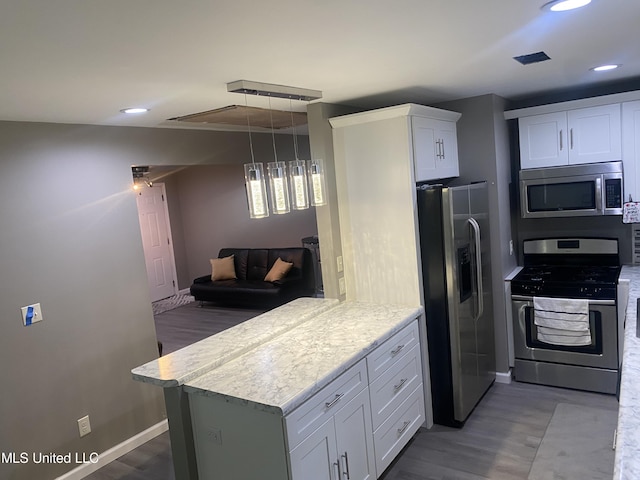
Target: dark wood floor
x,y
499,441
187,324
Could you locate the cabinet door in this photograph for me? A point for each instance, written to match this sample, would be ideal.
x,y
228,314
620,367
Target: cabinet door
x,y
315,457
435,148
631,149
543,140
354,436
595,134
448,162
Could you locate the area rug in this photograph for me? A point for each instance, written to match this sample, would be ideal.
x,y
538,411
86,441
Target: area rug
x,y
577,445
170,303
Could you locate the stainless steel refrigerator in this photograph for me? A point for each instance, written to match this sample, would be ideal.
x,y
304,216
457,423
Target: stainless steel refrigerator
x,y
456,270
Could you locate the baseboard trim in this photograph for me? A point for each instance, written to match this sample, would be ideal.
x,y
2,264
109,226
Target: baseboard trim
x,y
115,452
503,377
184,291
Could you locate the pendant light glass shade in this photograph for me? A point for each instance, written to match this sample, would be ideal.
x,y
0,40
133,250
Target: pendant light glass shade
x,y
317,190
279,187
256,190
299,188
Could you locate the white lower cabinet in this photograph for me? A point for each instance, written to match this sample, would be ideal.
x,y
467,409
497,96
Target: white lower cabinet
x,y
333,435
368,430
342,447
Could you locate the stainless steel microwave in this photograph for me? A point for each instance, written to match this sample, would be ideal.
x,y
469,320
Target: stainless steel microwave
x,y
572,191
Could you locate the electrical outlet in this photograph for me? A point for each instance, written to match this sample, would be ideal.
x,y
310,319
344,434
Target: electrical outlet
x,y
214,434
341,286
31,314
84,426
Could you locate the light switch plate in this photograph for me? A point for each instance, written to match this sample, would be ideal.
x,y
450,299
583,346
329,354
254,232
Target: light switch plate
x,y
31,314
339,263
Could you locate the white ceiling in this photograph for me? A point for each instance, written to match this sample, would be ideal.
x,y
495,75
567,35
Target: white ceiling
x,y
81,61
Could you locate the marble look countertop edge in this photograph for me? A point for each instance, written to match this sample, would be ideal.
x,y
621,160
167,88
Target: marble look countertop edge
x,y
151,372
314,386
627,455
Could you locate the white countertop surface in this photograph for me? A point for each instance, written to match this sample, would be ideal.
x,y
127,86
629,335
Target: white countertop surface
x,y
187,363
280,374
627,459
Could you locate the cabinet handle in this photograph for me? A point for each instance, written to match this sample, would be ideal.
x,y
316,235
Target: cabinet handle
x,y
397,387
337,464
403,427
346,466
334,401
396,350
442,145
560,139
571,139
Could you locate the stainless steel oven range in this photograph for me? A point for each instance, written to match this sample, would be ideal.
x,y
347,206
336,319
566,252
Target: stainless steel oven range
x,y
566,328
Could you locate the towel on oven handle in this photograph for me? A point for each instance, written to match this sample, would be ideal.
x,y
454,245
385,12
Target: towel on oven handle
x,y
562,321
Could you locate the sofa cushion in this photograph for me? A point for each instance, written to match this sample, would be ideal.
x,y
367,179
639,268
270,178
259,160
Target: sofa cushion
x,y
222,268
278,271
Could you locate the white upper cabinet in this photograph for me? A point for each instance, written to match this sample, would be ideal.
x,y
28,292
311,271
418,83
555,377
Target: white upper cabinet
x,y
584,135
435,148
543,140
425,137
631,149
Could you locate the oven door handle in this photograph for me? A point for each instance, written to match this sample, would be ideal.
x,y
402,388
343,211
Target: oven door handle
x,y
478,250
524,298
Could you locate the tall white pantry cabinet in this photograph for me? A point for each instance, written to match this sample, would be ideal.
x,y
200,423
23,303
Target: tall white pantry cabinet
x,y
380,155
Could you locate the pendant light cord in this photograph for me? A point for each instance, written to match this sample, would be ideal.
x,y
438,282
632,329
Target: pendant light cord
x,y
273,136
253,160
295,139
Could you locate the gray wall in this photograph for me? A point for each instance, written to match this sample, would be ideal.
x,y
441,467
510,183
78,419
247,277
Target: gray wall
x,y
212,214
483,149
70,239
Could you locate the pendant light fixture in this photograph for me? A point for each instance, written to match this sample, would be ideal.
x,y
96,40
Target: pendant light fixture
x,y
316,182
298,173
306,178
255,181
278,181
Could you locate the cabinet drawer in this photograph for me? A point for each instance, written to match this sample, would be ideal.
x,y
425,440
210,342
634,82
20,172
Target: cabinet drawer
x,y
393,387
314,412
397,430
392,350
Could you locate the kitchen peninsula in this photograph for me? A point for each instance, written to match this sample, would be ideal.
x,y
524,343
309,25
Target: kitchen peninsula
x,y
309,386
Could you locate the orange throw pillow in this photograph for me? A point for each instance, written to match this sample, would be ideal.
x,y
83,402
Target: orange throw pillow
x,y
278,271
223,268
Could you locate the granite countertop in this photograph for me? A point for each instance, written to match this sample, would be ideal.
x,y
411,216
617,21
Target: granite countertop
x,y
627,458
178,367
280,374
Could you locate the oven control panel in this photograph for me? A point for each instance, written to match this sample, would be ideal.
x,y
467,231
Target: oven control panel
x,y
561,291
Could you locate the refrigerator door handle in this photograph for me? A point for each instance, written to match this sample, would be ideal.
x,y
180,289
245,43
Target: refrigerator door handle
x,y
476,238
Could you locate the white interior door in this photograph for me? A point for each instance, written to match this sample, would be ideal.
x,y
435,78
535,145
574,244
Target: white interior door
x,y
156,241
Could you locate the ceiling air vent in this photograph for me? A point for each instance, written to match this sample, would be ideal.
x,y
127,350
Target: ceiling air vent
x,y
532,58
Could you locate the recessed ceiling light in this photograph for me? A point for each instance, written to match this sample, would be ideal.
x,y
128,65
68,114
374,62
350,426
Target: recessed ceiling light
x,y
605,68
134,110
563,5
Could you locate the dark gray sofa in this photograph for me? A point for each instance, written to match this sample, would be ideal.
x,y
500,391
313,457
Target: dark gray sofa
x,y
250,289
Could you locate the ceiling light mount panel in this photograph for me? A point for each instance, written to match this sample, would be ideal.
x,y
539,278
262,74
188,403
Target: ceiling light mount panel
x,y
269,89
